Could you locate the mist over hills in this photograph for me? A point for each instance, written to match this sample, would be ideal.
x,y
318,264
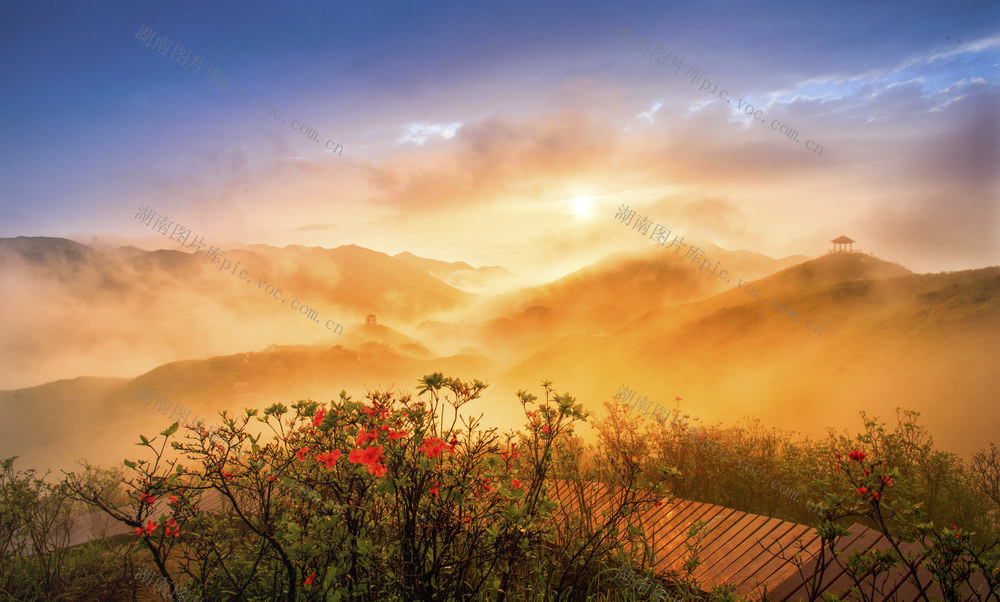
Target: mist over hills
x,y
649,320
85,311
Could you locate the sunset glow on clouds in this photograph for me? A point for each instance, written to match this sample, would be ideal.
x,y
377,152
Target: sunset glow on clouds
x,y
510,134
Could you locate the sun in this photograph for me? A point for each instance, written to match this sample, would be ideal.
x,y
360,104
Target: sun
x,y
582,207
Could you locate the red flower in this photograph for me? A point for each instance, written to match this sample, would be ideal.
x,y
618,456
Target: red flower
x,y
329,459
373,454
393,435
857,455
150,527
173,499
318,418
302,454
172,525
434,490
138,531
433,447
364,437
516,483
547,430
887,481
862,490
370,457
149,499
310,579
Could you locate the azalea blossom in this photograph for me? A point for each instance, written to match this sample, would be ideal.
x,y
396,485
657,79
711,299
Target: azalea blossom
x,y
365,436
302,453
433,447
434,490
328,459
370,457
318,418
857,455
310,579
516,483
393,435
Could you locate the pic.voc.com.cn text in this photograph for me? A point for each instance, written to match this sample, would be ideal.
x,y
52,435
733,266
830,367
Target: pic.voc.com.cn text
x,y
215,254
697,75
661,235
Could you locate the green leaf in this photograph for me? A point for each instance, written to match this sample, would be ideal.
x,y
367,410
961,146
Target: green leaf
x,y
144,440
170,430
130,464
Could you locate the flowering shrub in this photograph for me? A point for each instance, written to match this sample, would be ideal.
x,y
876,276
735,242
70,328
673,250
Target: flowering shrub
x,y
391,497
406,497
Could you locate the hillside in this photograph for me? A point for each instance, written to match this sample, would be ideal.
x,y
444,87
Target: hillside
x,y
55,424
123,311
887,340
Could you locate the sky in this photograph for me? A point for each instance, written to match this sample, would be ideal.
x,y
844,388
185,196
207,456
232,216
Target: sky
x,y
508,133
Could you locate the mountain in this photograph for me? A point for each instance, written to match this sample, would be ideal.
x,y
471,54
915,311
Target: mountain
x,y
484,280
797,342
100,419
886,338
130,309
599,298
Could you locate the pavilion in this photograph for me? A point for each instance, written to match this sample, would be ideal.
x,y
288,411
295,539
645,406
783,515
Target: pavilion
x,y
842,244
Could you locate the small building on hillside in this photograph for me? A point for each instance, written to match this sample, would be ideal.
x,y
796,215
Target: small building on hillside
x,y
842,244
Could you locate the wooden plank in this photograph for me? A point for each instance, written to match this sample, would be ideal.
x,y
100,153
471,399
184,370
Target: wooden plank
x,y
764,562
779,569
905,589
672,559
791,585
730,534
885,583
720,517
674,533
667,534
741,555
660,528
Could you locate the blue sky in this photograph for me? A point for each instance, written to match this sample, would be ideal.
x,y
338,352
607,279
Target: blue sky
x,y
508,133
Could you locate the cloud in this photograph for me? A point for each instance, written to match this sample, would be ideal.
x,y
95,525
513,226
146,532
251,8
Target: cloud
x,y
419,133
648,115
491,160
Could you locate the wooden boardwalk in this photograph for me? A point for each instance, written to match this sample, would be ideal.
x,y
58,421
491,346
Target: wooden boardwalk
x,y
755,553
